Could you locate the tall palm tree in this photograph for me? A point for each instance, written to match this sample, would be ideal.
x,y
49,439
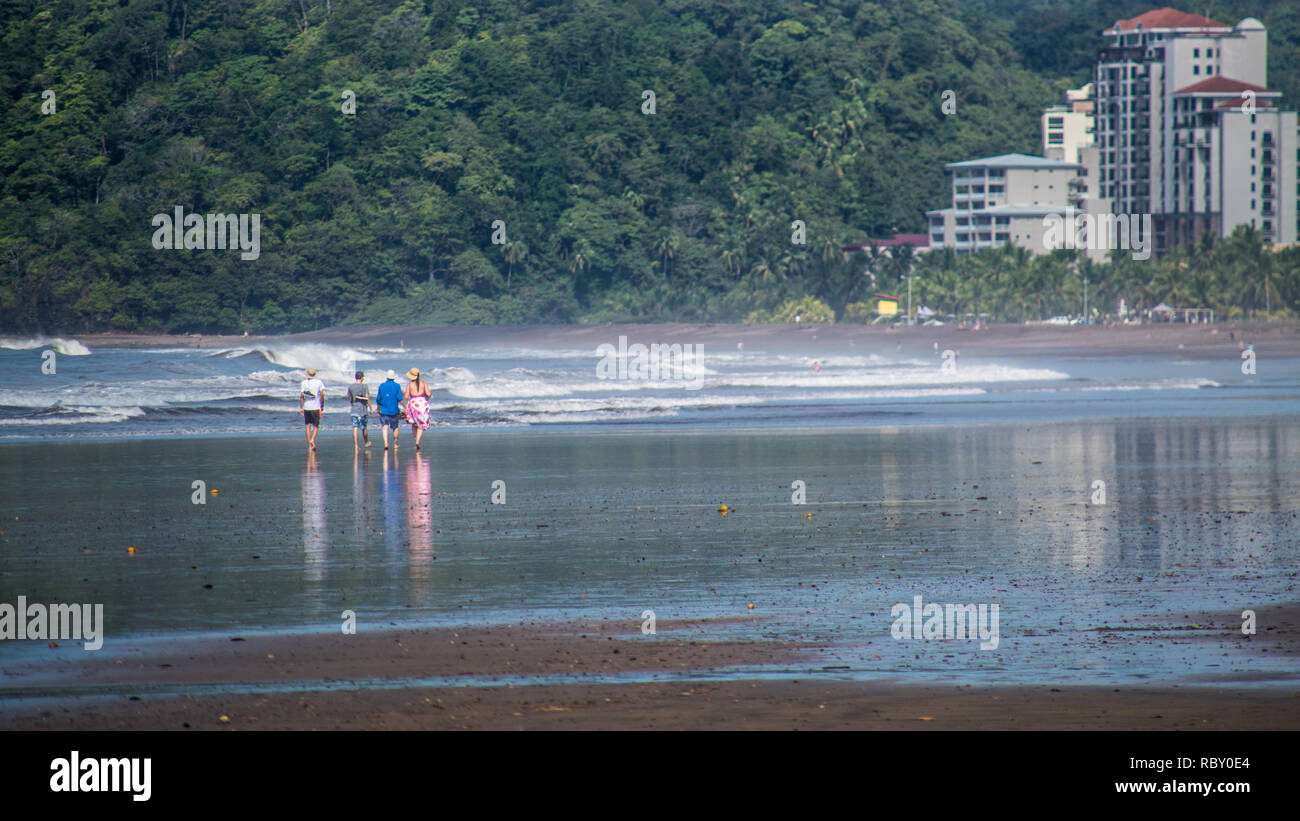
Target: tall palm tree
x,y
666,248
516,252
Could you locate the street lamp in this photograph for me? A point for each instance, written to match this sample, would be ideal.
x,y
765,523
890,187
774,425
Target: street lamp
x,y
911,317
1074,265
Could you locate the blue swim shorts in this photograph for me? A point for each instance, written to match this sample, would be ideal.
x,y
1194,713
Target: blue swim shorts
x,y
360,420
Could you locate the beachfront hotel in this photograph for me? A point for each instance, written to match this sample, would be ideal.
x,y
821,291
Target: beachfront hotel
x,y
1188,131
1002,200
1178,123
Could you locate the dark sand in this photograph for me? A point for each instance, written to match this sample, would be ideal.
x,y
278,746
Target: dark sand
x,y
124,701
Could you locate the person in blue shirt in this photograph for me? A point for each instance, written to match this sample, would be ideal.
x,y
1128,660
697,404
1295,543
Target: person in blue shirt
x,y
389,400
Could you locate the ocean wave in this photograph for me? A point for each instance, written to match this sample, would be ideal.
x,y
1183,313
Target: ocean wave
x,y
895,377
335,361
70,415
1169,384
68,347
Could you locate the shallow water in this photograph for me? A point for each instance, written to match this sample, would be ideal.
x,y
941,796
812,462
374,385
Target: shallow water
x,y
1199,523
164,392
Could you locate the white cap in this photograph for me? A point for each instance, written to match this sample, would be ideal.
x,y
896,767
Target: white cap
x,y
392,374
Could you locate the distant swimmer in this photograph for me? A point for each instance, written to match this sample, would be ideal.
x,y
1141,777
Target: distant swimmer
x,y
417,395
817,366
389,400
359,396
311,404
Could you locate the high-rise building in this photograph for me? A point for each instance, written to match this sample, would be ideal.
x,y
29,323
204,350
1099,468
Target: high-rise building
x,y
1188,131
1068,134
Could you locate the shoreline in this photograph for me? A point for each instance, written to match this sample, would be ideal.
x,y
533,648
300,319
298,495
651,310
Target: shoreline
x,y
1279,337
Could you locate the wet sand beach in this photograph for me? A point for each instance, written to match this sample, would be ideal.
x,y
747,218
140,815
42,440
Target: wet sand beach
x,y
535,606
365,682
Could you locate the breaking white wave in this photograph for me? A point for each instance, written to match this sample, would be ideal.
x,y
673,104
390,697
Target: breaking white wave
x,y
68,347
1170,384
79,416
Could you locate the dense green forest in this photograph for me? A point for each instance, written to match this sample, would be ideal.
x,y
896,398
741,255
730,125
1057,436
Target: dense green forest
x,y
382,141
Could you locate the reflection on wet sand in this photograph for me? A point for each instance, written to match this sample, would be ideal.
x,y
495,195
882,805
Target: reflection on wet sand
x,y
313,519
360,506
391,493
419,521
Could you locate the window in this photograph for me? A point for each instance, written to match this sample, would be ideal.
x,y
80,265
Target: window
x,y
1209,69
1196,52
1209,52
1196,69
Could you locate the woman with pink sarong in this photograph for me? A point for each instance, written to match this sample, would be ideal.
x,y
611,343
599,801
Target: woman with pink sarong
x,y
417,393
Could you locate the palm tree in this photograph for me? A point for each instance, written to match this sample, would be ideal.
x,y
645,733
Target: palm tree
x,y
732,259
516,252
666,248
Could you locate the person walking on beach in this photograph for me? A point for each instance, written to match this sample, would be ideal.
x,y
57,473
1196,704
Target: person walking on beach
x,y
311,404
417,395
359,396
389,400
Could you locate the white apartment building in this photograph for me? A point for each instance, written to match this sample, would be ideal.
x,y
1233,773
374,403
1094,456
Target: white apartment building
x,y
1001,200
1068,134
1068,128
1187,130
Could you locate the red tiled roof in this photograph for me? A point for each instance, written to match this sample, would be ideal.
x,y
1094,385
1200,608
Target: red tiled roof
x,y
887,296
1222,85
915,240
1241,101
1166,18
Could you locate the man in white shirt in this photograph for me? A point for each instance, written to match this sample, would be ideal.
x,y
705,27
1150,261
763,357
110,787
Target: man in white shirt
x,y
311,404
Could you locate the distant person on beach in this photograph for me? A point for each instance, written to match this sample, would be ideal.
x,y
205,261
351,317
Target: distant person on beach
x,y
359,396
417,395
311,404
389,400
